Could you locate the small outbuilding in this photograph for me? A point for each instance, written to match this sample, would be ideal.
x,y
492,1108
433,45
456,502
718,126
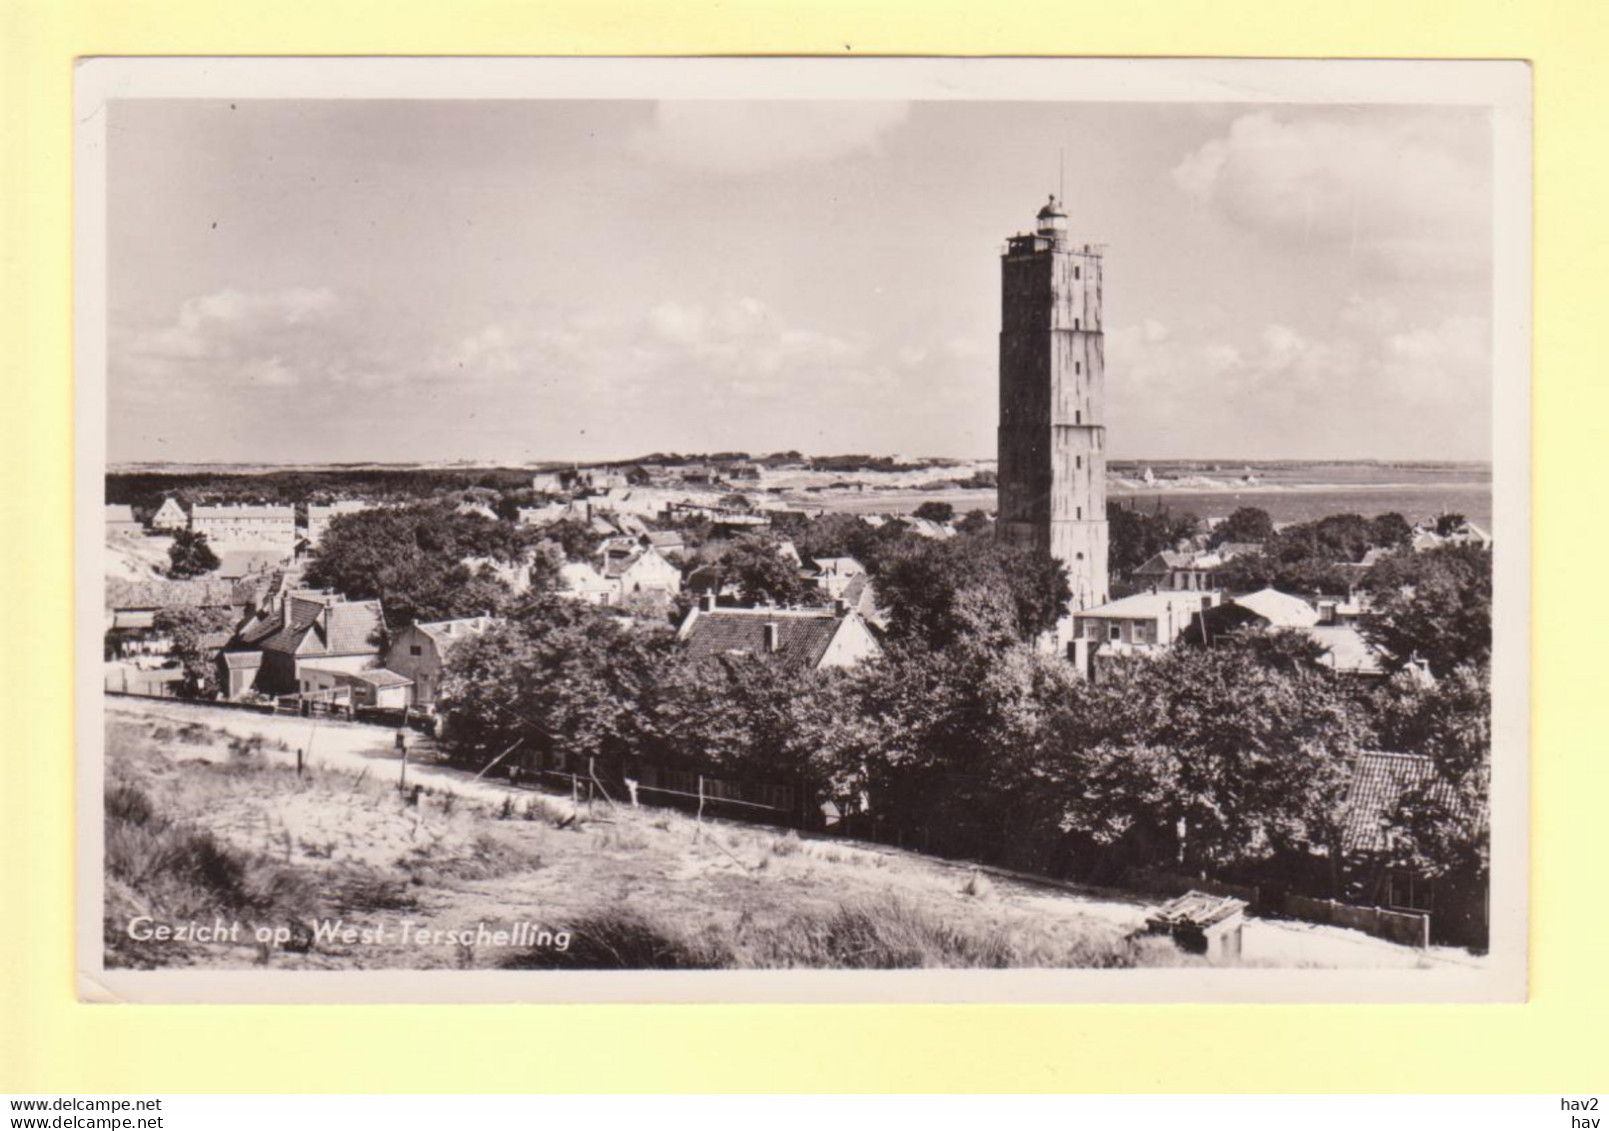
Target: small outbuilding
x,y
1200,923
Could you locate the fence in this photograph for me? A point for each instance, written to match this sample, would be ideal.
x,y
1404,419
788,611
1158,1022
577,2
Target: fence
x,y
1411,928
663,785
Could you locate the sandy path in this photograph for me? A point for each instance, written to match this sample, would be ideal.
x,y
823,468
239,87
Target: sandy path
x,y
353,747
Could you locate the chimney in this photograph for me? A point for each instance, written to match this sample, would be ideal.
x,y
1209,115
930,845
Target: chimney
x,y
773,637
840,607
707,601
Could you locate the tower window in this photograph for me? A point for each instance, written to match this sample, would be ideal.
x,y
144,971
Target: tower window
x,y
1081,555
1077,324
1078,368
1078,462
1078,418
1076,273
1078,513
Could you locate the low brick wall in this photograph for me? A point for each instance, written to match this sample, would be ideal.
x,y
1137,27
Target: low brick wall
x,y
1410,928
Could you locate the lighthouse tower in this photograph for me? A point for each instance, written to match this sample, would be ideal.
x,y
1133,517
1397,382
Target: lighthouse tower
x,y
1052,435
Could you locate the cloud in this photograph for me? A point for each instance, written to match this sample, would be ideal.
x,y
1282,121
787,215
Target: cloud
x,y
1410,191
272,339
743,137
1423,391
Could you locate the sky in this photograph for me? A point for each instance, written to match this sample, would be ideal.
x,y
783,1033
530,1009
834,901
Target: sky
x,y
344,281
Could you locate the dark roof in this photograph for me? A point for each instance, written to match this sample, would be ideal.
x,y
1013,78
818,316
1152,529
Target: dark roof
x,y
1053,208
1379,780
802,636
346,628
705,579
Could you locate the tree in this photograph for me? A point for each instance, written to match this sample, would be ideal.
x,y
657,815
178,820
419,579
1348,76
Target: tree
x,y
560,677
935,511
578,540
186,626
1449,523
1245,524
1136,536
190,556
975,523
970,590
419,561
762,573
1207,758
1436,605
1390,530
1303,576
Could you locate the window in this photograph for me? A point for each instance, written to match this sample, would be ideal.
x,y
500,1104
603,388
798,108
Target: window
x,y
1078,513
1077,273
1078,368
1078,324
416,650
1081,555
1115,632
1078,417
1078,462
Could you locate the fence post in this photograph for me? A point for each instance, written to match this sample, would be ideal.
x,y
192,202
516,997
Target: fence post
x,y
298,761
701,798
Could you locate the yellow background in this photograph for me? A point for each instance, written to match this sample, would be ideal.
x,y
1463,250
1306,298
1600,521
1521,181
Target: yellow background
x,y
1555,1043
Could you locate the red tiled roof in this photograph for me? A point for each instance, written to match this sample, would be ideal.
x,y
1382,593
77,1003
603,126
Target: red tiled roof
x,y
802,637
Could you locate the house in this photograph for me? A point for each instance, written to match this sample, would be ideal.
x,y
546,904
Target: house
x,y
548,481
736,524
926,527
1380,781
132,608
1348,652
643,572
245,525
235,565
120,519
370,687
708,580
665,541
833,575
324,630
319,517
1180,569
801,639
480,509
1276,609
1345,650
419,653
583,582
631,524
170,516
1146,623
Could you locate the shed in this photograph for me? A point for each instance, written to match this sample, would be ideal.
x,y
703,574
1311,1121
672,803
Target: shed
x,y
1201,924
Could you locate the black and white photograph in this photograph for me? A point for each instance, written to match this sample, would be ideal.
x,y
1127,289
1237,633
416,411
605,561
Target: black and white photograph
x,y
821,530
